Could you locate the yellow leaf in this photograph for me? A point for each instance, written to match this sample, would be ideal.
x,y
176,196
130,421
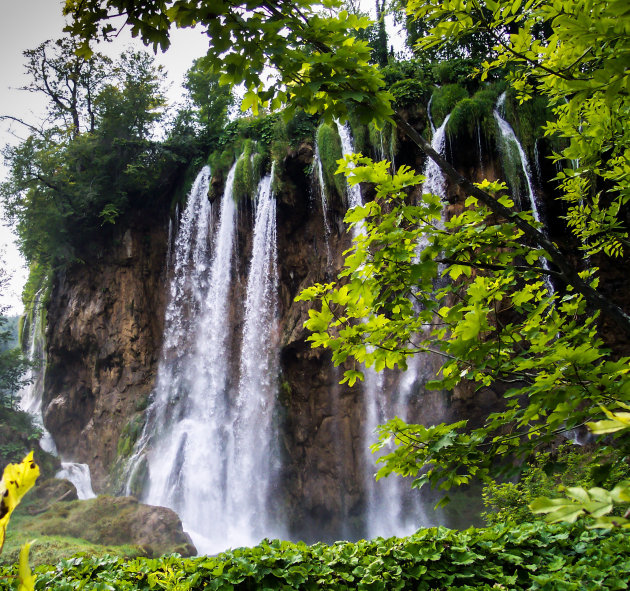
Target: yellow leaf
x,y
16,481
26,578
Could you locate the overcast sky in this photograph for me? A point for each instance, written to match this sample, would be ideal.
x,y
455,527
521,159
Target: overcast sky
x,y
24,25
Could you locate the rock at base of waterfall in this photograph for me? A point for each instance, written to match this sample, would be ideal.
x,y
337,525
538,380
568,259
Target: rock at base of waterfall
x,y
116,521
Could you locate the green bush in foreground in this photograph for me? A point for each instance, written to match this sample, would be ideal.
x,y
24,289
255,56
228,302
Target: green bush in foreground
x,y
529,556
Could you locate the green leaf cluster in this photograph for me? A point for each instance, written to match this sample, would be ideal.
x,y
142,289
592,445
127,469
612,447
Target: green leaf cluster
x,y
530,556
496,319
577,56
568,466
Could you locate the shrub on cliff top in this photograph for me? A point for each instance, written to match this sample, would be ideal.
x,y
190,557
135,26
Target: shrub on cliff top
x,y
444,101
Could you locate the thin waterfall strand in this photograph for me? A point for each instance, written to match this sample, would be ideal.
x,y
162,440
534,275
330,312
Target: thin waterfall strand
x,y
254,460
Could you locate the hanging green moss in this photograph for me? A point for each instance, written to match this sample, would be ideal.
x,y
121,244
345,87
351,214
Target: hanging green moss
x,y
244,179
444,101
472,113
129,435
384,141
527,119
329,145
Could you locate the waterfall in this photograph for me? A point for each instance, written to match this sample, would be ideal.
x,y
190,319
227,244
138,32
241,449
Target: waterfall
x,y
387,509
206,450
252,456
430,117
435,183
177,461
319,175
347,147
31,400
79,475
510,140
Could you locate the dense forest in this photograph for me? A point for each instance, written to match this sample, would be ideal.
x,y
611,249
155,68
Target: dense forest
x,y
520,296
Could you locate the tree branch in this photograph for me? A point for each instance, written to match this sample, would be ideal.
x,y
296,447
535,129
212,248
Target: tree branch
x,y
568,274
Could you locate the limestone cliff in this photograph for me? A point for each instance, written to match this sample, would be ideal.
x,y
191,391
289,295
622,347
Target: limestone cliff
x,y
105,330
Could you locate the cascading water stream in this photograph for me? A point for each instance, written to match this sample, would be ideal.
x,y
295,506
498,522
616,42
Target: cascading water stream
x,y
253,459
386,512
510,140
207,448
318,169
183,443
434,184
31,402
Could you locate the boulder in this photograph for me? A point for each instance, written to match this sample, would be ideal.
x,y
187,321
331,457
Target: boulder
x,y
116,521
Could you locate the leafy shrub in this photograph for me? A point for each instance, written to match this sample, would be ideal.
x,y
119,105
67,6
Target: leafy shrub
x,y
530,556
301,127
570,465
404,70
455,71
409,92
444,101
474,113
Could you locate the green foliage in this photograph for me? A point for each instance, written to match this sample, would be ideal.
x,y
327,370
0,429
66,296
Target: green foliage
x,y
444,100
64,186
472,114
329,145
129,435
528,119
385,307
569,466
596,503
244,181
455,71
211,100
301,127
577,56
523,557
408,93
313,52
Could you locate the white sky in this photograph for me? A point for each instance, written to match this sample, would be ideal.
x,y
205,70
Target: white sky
x,y
24,25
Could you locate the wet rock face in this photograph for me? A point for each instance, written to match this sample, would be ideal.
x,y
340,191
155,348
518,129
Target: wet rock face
x,y
104,334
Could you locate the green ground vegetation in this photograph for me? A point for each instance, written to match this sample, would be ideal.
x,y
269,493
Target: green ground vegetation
x,y
529,556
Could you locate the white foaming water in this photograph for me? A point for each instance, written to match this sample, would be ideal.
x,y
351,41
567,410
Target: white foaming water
x,y
354,191
184,436
388,510
79,475
324,200
253,460
206,449
510,139
435,182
